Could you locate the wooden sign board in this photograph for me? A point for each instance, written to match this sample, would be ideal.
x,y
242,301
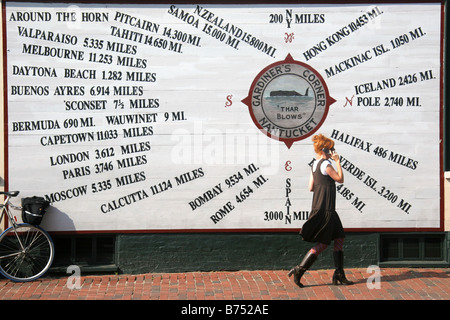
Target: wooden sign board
x,y
164,117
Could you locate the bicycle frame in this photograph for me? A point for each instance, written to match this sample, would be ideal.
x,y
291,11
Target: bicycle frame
x,y
26,250
5,206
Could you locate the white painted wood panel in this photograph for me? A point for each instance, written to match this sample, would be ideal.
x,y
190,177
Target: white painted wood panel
x,y
131,116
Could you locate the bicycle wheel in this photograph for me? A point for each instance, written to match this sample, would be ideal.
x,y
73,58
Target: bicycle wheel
x,y
26,252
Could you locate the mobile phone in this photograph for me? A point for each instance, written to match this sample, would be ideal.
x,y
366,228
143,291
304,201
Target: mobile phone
x,y
328,151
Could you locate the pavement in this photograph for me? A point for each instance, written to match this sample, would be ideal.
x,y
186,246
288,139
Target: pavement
x,y
257,286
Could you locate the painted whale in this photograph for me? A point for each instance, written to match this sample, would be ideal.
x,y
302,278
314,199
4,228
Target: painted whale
x,y
284,93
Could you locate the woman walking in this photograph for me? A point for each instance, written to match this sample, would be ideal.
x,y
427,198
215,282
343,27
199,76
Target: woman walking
x,y
323,224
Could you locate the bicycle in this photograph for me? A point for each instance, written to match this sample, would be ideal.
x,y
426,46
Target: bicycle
x,y
26,250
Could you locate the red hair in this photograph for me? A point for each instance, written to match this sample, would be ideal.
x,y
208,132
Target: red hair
x,y
321,142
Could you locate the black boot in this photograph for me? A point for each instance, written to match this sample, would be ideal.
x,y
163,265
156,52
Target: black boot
x,y
339,275
299,270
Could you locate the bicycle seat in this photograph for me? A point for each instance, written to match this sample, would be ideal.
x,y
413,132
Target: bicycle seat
x,y
10,193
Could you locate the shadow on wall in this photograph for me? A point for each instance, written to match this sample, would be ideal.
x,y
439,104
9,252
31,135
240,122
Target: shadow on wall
x,y
55,220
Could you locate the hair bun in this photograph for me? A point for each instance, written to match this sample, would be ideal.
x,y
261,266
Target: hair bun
x,y
321,142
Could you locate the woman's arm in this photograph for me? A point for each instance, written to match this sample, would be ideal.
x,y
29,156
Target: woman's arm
x,y
311,182
339,175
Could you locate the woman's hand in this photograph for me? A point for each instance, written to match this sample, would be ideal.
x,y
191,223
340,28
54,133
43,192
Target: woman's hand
x,y
335,156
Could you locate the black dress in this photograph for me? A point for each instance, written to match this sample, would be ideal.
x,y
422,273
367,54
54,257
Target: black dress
x,y
323,224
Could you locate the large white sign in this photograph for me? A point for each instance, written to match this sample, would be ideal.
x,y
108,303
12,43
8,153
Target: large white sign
x,y
200,117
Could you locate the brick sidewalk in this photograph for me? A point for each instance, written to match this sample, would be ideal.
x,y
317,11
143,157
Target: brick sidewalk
x,y
395,284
